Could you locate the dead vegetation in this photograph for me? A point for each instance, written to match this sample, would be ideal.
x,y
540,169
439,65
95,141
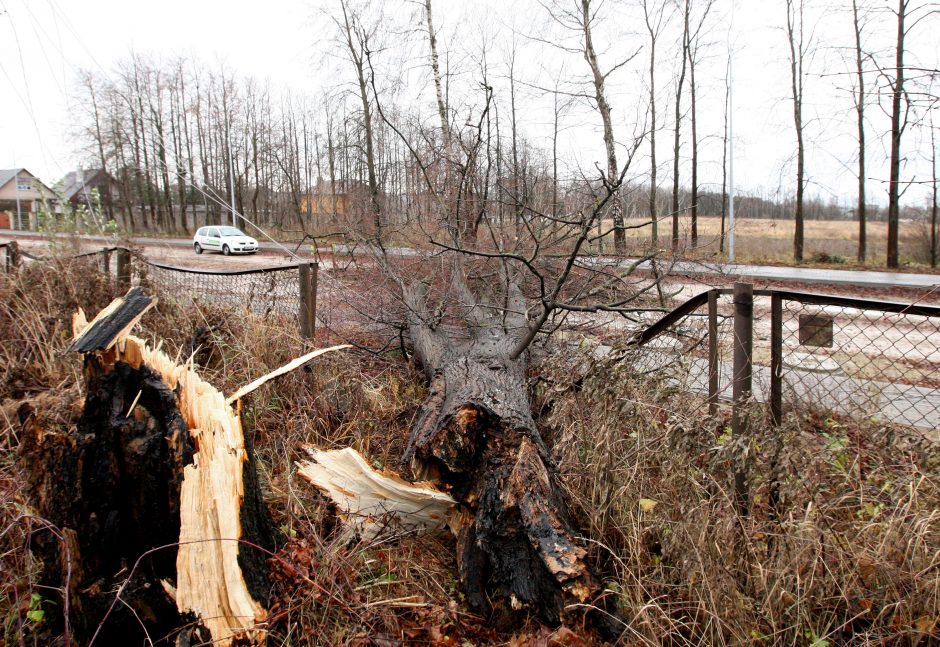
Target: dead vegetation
x,y
849,555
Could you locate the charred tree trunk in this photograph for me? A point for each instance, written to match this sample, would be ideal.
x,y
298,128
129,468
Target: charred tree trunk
x,y
123,488
476,435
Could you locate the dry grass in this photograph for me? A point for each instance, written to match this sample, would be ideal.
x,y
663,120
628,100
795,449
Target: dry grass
x,y
854,551
771,241
850,555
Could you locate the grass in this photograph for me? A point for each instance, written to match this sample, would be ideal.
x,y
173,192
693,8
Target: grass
x,y
766,241
850,553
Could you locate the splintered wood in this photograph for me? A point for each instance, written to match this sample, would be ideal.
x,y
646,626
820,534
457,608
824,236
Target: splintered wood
x,y
210,581
373,500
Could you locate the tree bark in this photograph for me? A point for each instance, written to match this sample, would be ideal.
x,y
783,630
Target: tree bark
x,y
794,14
860,113
894,183
600,97
475,433
675,145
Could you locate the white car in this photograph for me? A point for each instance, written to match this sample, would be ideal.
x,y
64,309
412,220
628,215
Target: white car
x,y
227,240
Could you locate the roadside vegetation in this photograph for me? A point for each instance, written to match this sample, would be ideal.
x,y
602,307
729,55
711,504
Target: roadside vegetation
x,y
850,554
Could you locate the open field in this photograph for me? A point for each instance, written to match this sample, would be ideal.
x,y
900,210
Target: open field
x,y
771,241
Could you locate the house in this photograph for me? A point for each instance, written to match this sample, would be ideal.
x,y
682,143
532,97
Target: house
x,y
78,189
345,202
22,197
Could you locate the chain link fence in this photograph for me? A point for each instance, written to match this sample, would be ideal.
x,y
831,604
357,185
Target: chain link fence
x,y
864,359
855,358
285,291
259,292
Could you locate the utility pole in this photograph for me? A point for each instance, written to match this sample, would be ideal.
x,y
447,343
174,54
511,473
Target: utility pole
x,y
731,153
231,182
19,213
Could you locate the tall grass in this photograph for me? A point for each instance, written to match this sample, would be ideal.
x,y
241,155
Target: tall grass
x,y
850,555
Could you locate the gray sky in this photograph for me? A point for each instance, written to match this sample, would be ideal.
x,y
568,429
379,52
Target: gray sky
x,y
288,42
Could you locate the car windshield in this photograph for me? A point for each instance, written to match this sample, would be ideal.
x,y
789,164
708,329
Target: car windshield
x,y
230,231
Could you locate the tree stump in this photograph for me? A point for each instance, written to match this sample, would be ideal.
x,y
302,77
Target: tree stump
x,y
154,495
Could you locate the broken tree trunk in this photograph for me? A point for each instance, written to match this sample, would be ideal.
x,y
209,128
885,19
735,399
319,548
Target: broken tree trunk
x,y
476,434
154,494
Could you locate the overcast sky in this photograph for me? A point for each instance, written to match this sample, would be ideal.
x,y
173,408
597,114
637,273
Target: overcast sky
x,y
43,43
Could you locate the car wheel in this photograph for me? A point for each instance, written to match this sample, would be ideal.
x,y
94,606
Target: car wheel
x,y
198,248
225,250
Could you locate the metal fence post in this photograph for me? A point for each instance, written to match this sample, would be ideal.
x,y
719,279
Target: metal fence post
x,y
308,299
741,391
13,256
123,268
713,352
776,359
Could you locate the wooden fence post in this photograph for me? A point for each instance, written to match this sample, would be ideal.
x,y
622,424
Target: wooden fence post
x,y
123,268
713,352
104,260
308,299
13,256
741,392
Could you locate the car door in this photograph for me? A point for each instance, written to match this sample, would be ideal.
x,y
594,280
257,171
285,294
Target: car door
x,y
213,239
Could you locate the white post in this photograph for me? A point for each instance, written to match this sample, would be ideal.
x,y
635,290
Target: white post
x,y
231,181
730,157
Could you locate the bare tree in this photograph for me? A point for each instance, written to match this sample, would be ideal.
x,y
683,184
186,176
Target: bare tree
x,y
498,296
686,11
693,51
860,114
909,14
798,49
356,38
655,20
933,193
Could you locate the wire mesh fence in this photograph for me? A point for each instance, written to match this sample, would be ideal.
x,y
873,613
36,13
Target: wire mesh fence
x,y
259,292
852,357
864,360
288,290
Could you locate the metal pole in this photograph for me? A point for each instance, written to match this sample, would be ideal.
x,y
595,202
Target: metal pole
x,y
776,359
105,260
741,392
308,299
712,352
231,175
730,159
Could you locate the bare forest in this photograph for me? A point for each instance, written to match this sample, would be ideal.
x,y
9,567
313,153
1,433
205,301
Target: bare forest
x,y
177,134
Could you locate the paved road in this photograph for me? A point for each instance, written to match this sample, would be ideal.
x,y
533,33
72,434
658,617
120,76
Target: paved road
x,y
857,278
860,278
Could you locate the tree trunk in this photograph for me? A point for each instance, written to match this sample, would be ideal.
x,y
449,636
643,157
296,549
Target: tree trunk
x,y
794,14
475,433
860,113
153,502
600,97
894,184
654,35
675,145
